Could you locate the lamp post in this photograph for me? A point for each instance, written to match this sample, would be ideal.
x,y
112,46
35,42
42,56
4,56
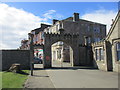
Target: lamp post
x,y
31,53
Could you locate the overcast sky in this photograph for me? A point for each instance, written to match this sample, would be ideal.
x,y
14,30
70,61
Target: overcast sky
x,y
18,19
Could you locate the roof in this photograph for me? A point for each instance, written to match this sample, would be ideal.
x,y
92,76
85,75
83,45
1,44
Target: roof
x,y
113,25
71,19
24,41
43,26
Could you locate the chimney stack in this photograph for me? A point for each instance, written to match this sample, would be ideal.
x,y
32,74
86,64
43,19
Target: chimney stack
x,y
44,25
76,17
54,21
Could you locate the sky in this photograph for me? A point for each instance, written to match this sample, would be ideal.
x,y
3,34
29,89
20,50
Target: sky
x,y
17,19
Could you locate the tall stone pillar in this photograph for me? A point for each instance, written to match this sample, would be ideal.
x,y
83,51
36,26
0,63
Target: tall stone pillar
x,y
31,53
47,56
47,51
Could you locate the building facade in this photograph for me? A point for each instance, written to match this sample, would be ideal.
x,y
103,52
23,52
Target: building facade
x,y
87,33
107,52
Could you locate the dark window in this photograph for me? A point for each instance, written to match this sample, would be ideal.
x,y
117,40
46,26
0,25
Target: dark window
x,y
96,29
118,51
97,54
59,54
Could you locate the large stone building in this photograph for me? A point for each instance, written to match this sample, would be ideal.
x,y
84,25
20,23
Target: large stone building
x,y
88,32
92,31
107,52
90,37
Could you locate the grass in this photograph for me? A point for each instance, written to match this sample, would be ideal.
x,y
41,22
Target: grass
x,y
0,80
13,80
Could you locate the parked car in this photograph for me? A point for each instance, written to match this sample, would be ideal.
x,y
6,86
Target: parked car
x,y
37,60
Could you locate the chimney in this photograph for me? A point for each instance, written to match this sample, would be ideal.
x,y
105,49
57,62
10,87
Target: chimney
x,y
112,22
44,25
76,17
54,21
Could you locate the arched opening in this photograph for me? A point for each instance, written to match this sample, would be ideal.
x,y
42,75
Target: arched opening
x,y
38,58
61,55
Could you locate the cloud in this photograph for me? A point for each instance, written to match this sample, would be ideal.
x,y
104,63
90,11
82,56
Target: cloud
x,y
101,16
16,24
51,14
48,14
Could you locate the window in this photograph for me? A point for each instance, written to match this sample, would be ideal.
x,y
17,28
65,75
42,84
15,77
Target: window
x,y
59,54
96,29
33,32
89,40
118,51
97,54
88,28
97,39
101,54
35,38
42,35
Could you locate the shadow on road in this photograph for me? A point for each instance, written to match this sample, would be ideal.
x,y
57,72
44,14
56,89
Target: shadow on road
x,y
39,76
68,68
73,68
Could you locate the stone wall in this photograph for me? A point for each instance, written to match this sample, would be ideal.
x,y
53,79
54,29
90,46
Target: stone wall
x,y
81,28
116,63
10,57
82,53
100,64
85,56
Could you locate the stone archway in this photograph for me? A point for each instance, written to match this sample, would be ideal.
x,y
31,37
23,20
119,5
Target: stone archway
x,y
69,39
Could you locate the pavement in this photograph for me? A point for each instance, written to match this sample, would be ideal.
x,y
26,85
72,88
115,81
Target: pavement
x,y
40,79
69,77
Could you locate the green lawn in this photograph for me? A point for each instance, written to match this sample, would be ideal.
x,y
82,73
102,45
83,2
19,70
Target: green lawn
x,y
13,80
0,80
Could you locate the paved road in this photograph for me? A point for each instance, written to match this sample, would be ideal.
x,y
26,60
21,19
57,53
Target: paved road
x,y
77,77
82,78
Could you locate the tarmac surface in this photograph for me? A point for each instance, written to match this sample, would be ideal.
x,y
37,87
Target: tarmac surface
x,y
71,77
